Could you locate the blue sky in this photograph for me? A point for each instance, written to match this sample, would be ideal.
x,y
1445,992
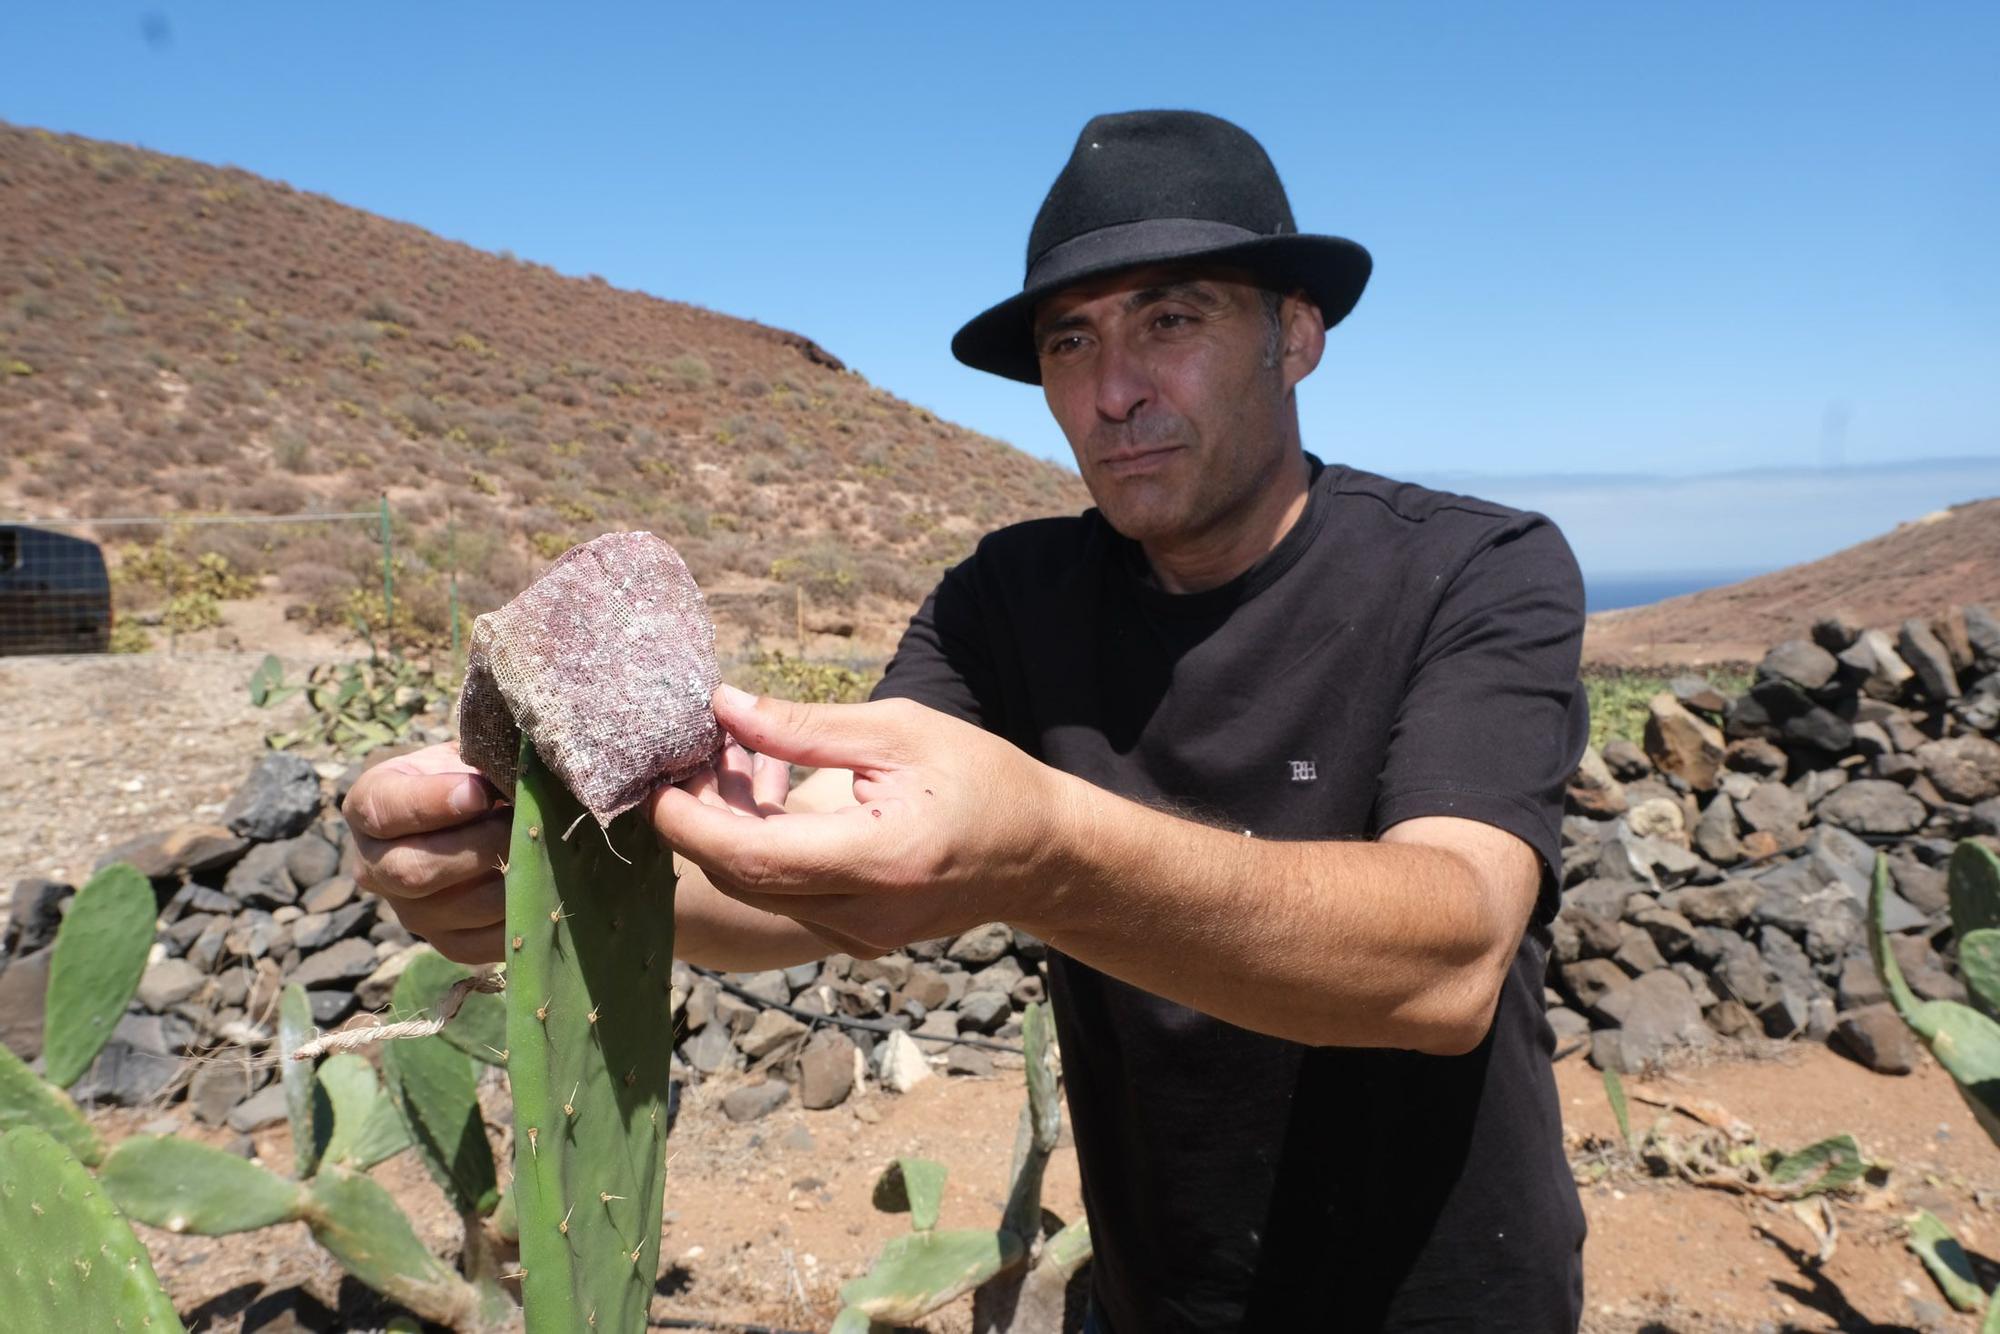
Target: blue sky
x,y
1648,239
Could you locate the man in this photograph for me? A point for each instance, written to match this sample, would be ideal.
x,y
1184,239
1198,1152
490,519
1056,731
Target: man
x,y
1270,752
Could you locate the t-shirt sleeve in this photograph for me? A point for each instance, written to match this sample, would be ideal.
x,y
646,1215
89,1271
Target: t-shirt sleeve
x,y
1493,719
942,660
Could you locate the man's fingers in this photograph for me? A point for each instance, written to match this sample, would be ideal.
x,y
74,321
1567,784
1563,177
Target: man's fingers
x,y
417,866
390,802
733,778
770,783
841,735
472,906
486,945
798,851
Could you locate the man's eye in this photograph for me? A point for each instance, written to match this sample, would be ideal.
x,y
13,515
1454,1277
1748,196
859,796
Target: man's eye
x,y
1171,319
1058,346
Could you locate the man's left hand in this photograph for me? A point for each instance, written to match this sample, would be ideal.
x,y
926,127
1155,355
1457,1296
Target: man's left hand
x,y
953,826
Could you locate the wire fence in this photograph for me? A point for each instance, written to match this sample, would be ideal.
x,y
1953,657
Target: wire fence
x,y
59,593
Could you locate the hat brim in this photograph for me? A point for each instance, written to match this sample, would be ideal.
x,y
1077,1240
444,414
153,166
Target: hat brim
x,y
1332,270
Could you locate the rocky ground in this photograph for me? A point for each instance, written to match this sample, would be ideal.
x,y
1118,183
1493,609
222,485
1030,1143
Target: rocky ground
x,y
1709,945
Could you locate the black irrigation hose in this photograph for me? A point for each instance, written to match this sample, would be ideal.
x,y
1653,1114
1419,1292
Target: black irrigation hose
x,y
865,1025
726,1326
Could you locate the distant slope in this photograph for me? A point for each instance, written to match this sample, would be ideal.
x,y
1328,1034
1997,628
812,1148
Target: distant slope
x,y
1918,569
176,337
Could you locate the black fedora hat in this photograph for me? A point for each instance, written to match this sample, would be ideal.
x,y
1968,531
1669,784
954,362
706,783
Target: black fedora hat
x,y
1148,187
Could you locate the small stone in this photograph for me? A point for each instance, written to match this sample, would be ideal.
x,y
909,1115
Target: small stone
x,y
168,983
1030,990
280,798
1965,768
964,1060
261,1109
770,1032
1773,808
754,1101
1030,949
175,854
891,969
218,1086
1592,789
769,985
1715,832
311,861
982,944
983,1011
713,1051
1929,659
329,1006
1873,806
260,878
1000,975
900,1064
329,897
23,989
826,1070
1802,662
35,914
1681,744
927,987
349,960
800,976
1876,1036
1658,818
1756,756
1626,761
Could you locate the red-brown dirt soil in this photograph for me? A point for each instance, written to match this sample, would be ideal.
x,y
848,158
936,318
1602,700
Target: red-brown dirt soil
x,y
765,1220
1917,569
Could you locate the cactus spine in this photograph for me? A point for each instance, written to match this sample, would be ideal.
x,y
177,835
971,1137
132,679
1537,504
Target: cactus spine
x,y
72,1262
590,936
100,954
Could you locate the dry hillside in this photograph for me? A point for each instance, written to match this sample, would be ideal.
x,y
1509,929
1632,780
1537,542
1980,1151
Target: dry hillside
x,y
1952,556
182,338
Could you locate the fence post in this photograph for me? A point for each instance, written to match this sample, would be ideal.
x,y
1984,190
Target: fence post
x,y
451,545
388,587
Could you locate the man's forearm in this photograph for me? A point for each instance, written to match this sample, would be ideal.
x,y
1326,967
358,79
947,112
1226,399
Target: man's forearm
x,y
715,931
1328,943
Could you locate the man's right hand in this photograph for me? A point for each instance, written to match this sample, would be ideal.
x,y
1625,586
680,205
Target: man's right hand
x,y
431,835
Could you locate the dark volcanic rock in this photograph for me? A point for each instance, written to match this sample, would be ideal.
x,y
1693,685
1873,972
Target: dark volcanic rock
x,y
1873,806
280,798
35,914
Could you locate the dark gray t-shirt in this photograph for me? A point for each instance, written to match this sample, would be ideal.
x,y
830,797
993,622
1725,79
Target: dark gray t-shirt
x,y
1401,652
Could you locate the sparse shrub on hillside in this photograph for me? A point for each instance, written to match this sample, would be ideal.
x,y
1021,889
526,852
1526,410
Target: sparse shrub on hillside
x,y
1618,698
824,572
807,680
384,310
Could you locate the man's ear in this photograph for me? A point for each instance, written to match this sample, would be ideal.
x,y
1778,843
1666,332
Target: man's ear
x,y
1304,338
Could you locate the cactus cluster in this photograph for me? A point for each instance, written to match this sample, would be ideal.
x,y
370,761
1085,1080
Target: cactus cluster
x,y
343,1123
1964,1038
1017,1277
100,955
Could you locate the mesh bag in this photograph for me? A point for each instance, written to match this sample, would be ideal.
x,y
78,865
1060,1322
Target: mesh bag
x,y
607,661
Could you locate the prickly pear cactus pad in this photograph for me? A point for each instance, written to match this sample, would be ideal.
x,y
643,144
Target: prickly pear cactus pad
x,y
71,1262
100,955
607,661
590,940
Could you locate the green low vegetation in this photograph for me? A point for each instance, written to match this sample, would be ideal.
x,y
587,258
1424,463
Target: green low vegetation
x,y
1618,697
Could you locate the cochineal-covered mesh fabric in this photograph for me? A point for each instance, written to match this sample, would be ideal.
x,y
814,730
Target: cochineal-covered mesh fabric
x,y
607,662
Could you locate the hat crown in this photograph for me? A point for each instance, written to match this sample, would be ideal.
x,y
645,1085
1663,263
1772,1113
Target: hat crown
x,y
1136,166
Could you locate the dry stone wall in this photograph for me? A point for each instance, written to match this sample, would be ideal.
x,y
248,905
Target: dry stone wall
x,y
1715,878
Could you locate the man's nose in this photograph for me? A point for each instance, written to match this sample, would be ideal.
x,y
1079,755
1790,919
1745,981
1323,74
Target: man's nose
x,y
1123,383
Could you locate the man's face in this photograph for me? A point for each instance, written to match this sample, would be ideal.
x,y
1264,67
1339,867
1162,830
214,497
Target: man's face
x,y
1174,394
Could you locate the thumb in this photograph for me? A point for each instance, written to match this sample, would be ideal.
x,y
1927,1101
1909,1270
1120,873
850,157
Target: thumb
x,y
841,736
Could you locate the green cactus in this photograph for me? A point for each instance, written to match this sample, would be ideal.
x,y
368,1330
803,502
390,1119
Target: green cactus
x,y
100,954
436,1088
306,1105
72,1262
479,1029
590,922
344,1122
1017,1288
1965,1041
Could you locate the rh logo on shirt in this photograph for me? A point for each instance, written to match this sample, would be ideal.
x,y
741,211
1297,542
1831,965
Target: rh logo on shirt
x,y
1303,771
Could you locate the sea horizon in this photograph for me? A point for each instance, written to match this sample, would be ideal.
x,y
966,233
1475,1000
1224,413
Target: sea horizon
x,y
1610,592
